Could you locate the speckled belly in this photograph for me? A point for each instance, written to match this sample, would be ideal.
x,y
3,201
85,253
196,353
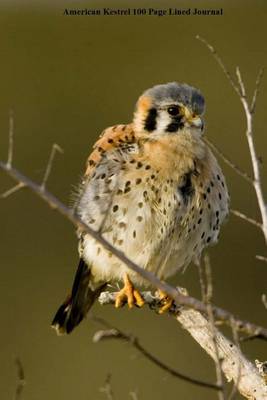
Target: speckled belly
x,y
153,221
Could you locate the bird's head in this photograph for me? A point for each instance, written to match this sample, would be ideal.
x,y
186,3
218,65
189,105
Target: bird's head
x,y
170,109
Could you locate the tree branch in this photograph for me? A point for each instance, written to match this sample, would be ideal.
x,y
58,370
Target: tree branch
x,y
246,218
55,148
11,191
220,62
235,366
256,91
115,333
228,162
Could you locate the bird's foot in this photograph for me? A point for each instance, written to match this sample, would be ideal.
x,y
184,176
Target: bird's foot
x,y
166,302
129,294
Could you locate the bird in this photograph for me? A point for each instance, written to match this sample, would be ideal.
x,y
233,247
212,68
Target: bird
x,y
155,191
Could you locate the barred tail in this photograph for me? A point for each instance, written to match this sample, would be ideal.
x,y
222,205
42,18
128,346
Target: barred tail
x,y
76,305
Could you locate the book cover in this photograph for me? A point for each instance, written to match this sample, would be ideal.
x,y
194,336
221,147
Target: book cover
x,y
69,70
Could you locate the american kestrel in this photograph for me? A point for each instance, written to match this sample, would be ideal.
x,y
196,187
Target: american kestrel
x,y
156,192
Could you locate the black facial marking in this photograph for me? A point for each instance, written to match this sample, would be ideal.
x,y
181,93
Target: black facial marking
x,y
151,120
175,124
186,189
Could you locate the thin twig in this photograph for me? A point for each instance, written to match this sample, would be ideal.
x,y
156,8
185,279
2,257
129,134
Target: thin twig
x,y
20,379
246,218
220,62
256,91
250,338
115,333
228,162
179,298
55,148
107,389
241,83
14,189
256,168
11,139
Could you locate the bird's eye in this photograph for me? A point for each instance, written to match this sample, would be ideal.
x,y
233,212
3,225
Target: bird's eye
x,y
174,110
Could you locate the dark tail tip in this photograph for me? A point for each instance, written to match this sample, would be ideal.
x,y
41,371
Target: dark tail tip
x,y
66,318
76,306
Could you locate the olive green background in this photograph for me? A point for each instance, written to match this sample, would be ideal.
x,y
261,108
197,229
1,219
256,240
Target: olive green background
x,y
67,78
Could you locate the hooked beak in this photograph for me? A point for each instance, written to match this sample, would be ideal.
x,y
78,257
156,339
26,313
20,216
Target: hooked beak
x,y
195,121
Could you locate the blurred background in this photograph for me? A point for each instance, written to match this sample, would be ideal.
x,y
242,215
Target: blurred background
x,y
67,78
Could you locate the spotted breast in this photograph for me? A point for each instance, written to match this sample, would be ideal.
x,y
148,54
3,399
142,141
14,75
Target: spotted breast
x,y
159,201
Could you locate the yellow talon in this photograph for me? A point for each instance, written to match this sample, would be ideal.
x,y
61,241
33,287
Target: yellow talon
x,y
166,301
139,301
130,294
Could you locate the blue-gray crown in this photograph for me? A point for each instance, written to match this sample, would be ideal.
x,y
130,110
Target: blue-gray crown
x,y
178,92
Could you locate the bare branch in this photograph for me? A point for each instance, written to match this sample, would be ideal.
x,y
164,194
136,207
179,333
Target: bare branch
x,y
246,218
20,379
249,381
14,189
256,91
154,302
220,62
250,338
55,148
256,168
241,83
227,161
115,333
11,139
